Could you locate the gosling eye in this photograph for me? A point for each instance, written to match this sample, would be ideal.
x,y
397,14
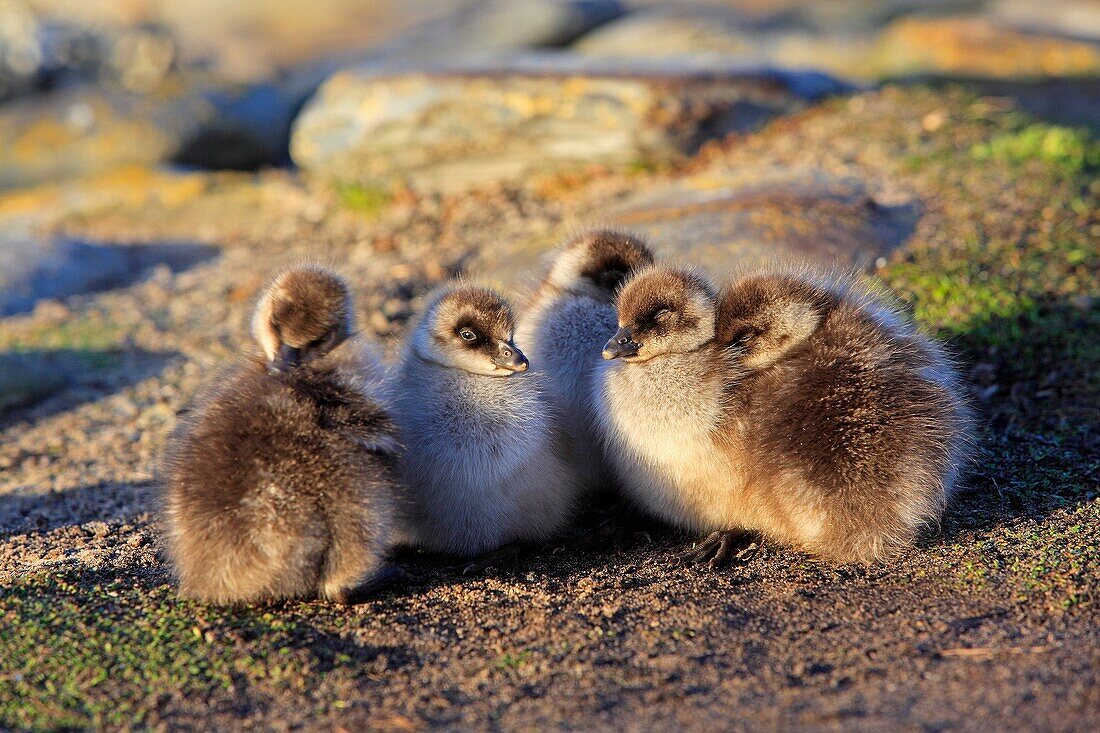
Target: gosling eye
x,y
663,315
467,335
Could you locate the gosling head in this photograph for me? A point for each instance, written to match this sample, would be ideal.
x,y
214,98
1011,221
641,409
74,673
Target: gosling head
x,y
766,316
596,264
470,328
662,311
302,315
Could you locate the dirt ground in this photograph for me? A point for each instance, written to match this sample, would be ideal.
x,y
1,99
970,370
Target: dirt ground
x,y
991,623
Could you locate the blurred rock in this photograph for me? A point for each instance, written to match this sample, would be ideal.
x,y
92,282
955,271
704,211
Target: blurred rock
x,y
494,26
85,130
726,219
672,32
855,16
1071,18
726,37
456,128
20,51
975,46
917,43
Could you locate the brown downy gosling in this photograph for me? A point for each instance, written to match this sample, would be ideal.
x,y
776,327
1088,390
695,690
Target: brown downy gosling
x,y
282,482
564,327
793,405
482,462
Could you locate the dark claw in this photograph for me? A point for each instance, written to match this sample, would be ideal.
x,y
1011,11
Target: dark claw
x,y
717,548
507,555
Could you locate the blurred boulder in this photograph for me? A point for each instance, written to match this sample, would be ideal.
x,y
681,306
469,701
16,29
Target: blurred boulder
x,y
977,47
84,130
1070,18
502,120
20,50
673,32
723,220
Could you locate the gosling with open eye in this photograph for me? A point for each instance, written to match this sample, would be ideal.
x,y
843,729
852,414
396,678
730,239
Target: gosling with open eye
x,y
482,462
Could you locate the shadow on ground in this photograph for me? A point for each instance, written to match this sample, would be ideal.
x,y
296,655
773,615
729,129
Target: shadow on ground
x,y
64,267
1036,384
105,502
38,383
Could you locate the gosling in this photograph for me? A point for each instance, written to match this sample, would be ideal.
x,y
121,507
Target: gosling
x,y
282,482
564,327
791,405
482,462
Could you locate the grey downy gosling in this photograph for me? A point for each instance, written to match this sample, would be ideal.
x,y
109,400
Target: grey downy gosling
x,y
794,405
282,482
564,327
482,462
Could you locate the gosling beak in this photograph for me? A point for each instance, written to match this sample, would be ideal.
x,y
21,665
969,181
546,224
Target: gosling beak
x,y
510,358
621,344
287,358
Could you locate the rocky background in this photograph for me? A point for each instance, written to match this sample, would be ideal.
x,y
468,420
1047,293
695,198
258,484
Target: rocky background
x,y
158,160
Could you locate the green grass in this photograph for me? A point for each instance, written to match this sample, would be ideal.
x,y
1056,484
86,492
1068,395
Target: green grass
x,y
1020,293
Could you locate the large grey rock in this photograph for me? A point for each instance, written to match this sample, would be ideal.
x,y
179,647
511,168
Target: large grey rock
x,y
503,120
720,221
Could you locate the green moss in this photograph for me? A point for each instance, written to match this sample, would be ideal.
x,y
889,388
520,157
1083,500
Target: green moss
x,y
366,200
513,661
1070,148
88,650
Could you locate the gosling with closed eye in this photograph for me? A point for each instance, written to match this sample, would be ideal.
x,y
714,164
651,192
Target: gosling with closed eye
x,y
793,405
482,462
564,327
282,482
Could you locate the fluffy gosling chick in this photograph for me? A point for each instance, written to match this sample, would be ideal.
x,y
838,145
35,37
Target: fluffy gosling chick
x,y
788,405
563,329
481,460
282,482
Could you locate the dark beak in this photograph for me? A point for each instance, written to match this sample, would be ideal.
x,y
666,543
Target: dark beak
x,y
510,358
621,344
287,358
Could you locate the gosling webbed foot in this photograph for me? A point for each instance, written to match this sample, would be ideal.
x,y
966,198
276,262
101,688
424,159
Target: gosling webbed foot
x,y
718,548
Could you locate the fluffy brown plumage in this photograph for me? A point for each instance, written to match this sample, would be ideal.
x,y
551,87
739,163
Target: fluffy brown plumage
x,y
281,482
791,404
